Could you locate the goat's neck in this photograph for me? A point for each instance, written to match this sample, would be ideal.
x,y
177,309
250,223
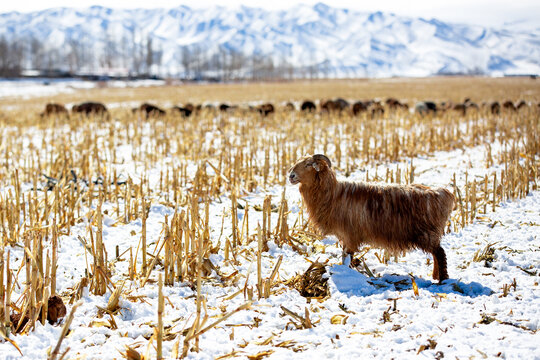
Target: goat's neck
x,y
320,194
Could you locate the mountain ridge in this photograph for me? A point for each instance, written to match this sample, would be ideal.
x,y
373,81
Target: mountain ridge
x,y
328,41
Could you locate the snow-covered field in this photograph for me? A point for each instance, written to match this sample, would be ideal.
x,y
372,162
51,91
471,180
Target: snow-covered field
x,y
487,309
30,88
468,316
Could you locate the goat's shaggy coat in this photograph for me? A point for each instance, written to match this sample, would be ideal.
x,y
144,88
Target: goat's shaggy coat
x,y
393,217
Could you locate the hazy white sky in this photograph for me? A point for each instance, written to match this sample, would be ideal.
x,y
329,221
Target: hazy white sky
x,y
484,12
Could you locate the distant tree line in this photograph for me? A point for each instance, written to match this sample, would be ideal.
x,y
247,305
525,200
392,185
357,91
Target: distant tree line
x,y
137,55
11,54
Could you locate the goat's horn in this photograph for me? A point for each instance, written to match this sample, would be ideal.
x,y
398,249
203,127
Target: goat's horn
x,y
322,157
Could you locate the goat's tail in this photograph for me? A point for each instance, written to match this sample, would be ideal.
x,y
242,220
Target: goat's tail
x,y
449,199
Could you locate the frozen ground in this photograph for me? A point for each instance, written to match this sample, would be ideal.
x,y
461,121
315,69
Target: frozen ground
x,y
468,316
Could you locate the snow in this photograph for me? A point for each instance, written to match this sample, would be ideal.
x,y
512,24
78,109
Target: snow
x,y
26,89
465,316
39,87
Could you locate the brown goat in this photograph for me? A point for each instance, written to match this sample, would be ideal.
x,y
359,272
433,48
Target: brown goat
x,y
334,106
394,104
521,105
308,106
359,107
151,111
54,109
495,108
342,104
290,106
184,111
509,105
91,108
377,110
393,217
329,106
465,107
460,108
265,109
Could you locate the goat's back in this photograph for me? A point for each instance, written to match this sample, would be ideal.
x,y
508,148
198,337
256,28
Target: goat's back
x,y
395,217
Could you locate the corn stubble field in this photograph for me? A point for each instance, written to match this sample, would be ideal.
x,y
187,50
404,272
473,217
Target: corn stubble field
x,y
179,237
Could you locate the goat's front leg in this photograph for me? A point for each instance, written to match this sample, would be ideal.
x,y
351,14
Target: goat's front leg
x,y
346,253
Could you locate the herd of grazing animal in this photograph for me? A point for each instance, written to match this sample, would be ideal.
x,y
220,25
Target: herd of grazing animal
x,y
371,108
467,106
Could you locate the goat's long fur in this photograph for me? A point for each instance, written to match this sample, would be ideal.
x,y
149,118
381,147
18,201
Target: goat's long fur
x,y
393,217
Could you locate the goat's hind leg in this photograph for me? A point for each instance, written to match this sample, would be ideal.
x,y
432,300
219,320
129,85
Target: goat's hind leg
x,y
440,271
435,268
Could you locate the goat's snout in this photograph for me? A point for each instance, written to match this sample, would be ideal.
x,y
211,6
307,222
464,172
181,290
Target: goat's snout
x,y
293,178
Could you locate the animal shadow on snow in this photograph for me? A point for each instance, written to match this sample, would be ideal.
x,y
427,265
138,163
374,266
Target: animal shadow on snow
x,y
350,282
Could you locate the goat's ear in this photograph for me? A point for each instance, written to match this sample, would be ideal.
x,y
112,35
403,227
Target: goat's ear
x,y
316,166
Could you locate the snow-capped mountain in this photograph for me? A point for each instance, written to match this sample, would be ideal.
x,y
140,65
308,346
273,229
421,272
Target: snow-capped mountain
x,y
336,42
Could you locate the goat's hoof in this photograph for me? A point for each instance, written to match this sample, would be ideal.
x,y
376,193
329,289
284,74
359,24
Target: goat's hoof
x,y
346,259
